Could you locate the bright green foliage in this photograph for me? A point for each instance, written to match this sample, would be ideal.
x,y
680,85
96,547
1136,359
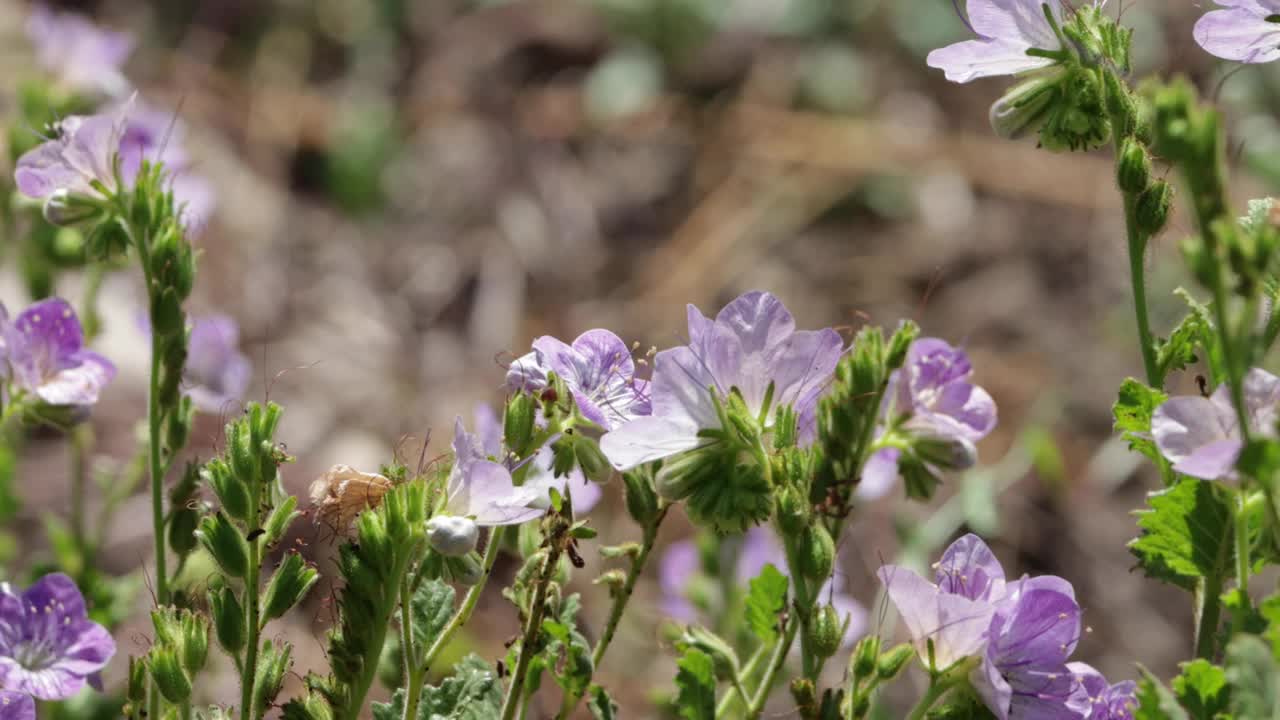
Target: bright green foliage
x,y
1132,412
567,654
1254,678
696,686
1202,689
1186,534
766,599
1155,701
1179,351
473,692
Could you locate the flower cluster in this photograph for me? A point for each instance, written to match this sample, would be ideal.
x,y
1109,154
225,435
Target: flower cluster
x,y
49,648
1019,634
45,357
931,417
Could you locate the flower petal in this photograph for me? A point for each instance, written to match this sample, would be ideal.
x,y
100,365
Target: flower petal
x,y
974,59
969,568
79,385
646,439
1184,426
879,474
956,624
1239,34
16,706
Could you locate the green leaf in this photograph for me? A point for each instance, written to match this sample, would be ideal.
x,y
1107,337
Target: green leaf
x,y
602,706
1208,341
431,608
473,692
1179,350
1186,534
1155,701
696,685
766,599
1254,678
567,654
1202,689
1132,412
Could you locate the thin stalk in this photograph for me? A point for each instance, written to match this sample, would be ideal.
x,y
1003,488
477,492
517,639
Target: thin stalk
x,y
739,682
249,672
1241,523
157,472
620,601
412,689
80,448
1137,244
937,689
776,661
532,627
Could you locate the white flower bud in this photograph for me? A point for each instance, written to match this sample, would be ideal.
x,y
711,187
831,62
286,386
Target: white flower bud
x,y
451,535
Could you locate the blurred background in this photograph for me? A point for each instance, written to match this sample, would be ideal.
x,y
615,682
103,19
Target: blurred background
x,y
410,191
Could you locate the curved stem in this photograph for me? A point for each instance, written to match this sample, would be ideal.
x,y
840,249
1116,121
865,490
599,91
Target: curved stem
x,y
776,661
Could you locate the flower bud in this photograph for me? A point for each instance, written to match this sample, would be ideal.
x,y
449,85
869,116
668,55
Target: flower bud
x,y
467,570
231,492
272,666
825,632
803,692
168,675
792,511
892,662
182,530
592,461
195,641
1152,211
65,208
288,586
451,535
228,619
518,423
679,475
817,554
1133,170
1022,110
641,497
900,343
863,660
918,479
137,689
947,453
225,543
861,705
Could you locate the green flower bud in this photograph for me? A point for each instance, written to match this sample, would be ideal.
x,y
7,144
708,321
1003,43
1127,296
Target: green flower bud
x,y
792,511
280,519
1023,108
803,692
900,343
1152,210
178,426
946,453
563,458
720,652
272,666
861,705
825,632
228,619
679,475
451,535
919,481
466,570
518,423
231,491
195,641
593,462
66,208
225,543
166,313
863,661
1133,170
182,530
892,662
106,240
167,672
817,553
641,497
137,688
288,586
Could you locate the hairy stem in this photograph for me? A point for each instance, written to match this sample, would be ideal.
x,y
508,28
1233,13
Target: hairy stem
x,y
249,671
776,661
407,652
533,626
731,699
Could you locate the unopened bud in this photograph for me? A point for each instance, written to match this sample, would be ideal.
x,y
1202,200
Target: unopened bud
x,y
863,661
225,543
592,461
640,495
892,662
946,453
228,620
167,672
65,208
817,553
452,535
1152,211
1022,110
825,632
1133,170
518,422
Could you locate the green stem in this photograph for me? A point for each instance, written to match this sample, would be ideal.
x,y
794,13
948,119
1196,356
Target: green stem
x,y
776,661
741,694
1241,523
533,626
249,672
939,685
412,689
81,443
1208,614
1137,244
157,473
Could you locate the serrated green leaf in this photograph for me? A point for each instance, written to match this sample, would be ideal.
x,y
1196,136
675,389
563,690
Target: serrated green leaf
x,y
696,686
431,608
1254,678
1155,701
766,599
1202,689
1186,534
1212,348
473,692
567,655
1132,413
602,706
1179,350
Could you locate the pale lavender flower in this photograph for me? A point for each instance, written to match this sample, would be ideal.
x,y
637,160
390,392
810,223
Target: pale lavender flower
x,y
1105,701
81,55
1245,31
49,648
217,373
751,345
1023,631
483,490
1006,30
1201,436
932,397
16,706
597,369
77,160
586,494
44,348
158,136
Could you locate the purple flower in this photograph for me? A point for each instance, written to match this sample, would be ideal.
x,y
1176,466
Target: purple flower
x,y
751,345
1006,30
597,368
16,706
585,493
482,490
49,648
78,158
83,56
1022,631
1105,701
45,351
931,398
159,136
1201,436
1244,31
217,373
